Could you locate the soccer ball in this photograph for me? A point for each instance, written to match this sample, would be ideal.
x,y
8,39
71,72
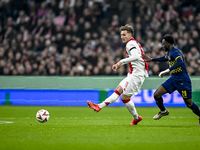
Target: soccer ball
x,y
42,116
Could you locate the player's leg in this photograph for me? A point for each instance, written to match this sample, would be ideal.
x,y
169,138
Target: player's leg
x,y
192,106
158,97
112,98
159,101
167,87
131,108
131,86
185,89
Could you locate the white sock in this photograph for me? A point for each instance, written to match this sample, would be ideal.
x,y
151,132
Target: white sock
x,y
112,98
131,108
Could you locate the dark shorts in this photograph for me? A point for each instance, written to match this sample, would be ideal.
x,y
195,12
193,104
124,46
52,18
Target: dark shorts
x,y
184,87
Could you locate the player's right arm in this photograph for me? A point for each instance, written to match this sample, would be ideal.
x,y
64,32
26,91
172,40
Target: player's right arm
x,y
161,59
148,58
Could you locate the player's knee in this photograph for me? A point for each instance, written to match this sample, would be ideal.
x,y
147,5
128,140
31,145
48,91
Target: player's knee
x,y
188,103
156,96
125,97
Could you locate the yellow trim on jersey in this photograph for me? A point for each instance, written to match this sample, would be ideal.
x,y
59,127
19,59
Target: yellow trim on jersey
x,y
178,57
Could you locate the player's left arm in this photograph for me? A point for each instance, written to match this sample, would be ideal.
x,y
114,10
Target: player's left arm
x,y
179,61
134,52
134,55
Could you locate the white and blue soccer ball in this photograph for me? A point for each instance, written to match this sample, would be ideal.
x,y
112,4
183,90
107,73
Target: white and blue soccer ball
x,y
42,116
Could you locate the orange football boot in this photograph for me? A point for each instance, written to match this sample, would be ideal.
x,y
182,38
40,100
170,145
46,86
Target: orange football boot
x,y
135,122
93,106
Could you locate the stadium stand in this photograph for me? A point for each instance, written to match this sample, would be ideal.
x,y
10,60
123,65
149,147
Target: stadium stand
x,y
81,38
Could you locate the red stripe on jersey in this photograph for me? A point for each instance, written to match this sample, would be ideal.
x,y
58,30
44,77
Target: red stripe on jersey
x,y
142,52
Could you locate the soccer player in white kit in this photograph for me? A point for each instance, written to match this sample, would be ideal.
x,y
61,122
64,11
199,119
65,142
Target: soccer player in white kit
x,y
132,83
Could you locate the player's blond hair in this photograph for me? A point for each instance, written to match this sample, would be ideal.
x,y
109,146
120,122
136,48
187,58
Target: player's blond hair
x,y
127,28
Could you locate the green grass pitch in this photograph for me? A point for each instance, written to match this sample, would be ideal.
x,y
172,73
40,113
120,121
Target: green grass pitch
x,y
80,128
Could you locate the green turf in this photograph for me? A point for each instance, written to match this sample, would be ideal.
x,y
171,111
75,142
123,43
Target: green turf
x,y
81,128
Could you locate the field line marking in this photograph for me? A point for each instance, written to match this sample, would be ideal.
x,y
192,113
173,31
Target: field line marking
x,y
5,122
8,118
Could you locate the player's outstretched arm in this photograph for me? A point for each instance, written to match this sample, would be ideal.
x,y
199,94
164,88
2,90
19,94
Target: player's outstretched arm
x,y
148,58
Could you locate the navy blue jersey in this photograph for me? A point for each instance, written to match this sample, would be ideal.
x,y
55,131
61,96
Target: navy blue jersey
x,y
176,62
180,72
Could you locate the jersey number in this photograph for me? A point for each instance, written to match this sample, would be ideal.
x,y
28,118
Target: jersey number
x,y
126,84
184,94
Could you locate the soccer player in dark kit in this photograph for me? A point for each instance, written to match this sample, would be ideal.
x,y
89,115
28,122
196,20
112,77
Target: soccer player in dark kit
x,y
179,79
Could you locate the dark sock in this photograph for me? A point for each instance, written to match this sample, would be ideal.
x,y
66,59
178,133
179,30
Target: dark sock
x,y
195,109
159,102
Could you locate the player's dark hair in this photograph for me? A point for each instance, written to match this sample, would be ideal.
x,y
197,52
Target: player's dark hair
x,y
128,28
169,39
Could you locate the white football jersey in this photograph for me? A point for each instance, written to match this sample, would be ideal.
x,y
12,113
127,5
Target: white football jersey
x,y
134,58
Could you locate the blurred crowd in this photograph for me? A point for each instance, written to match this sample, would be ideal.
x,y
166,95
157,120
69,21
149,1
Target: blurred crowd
x,y
81,37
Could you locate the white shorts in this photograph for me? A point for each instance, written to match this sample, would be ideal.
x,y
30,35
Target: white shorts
x,y
131,84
